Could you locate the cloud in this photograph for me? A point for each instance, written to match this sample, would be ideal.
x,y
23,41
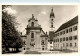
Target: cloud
x,y
43,12
10,11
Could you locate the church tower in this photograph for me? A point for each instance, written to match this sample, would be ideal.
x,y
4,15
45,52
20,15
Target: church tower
x,y
52,18
51,32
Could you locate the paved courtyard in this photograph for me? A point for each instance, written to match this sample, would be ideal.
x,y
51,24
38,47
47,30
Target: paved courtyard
x,y
46,52
41,52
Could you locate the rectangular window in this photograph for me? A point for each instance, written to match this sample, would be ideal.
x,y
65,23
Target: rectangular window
x,y
67,31
63,32
75,37
60,33
32,35
70,30
74,28
66,38
70,38
75,45
60,39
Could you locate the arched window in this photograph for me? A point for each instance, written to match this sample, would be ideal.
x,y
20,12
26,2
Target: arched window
x,y
32,24
32,35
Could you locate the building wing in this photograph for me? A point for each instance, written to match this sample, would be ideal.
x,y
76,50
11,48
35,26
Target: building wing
x,y
69,23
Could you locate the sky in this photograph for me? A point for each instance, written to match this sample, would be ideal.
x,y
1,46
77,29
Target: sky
x,y
23,13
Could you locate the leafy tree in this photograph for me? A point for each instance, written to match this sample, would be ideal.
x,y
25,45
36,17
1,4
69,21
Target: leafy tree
x,y
10,36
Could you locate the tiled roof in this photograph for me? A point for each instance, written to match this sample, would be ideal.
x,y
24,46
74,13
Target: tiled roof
x,y
44,35
69,23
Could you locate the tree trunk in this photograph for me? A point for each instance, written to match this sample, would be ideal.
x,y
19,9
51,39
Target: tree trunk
x,y
17,49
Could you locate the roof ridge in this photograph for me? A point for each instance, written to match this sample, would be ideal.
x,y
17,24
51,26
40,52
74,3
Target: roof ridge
x,y
68,23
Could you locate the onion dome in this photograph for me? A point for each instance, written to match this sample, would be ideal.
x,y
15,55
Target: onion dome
x,y
52,13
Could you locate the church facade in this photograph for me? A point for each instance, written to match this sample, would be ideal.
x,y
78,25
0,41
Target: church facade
x,y
36,37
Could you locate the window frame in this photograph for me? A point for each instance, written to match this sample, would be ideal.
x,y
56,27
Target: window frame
x,y
75,37
70,38
66,30
32,24
74,28
63,38
67,39
32,35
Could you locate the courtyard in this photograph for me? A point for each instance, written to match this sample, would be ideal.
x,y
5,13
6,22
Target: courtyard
x,y
42,52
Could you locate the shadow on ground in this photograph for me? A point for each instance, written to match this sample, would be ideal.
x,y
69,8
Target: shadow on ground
x,y
65,51
68,51
11,52
32,52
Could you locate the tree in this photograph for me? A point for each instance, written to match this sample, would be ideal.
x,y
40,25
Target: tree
x,y
10,36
